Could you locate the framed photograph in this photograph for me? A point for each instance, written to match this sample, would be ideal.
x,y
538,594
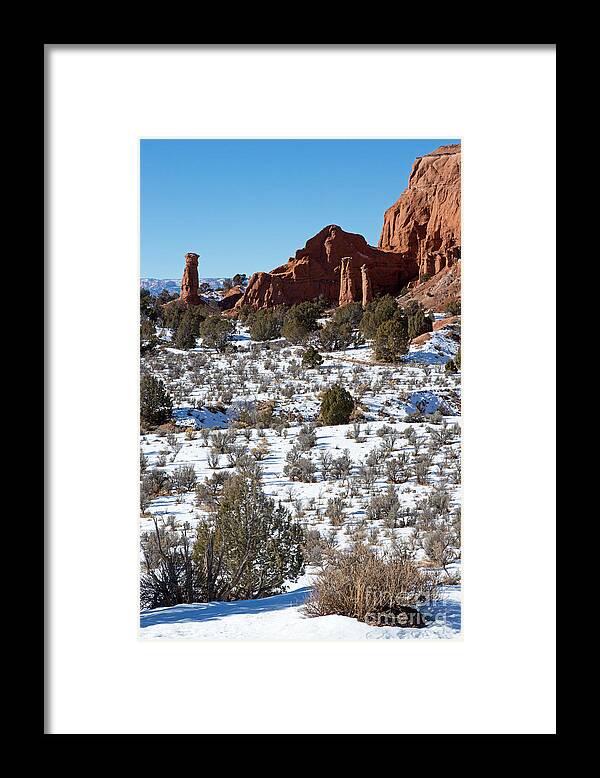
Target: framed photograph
x,y
293,433
300,459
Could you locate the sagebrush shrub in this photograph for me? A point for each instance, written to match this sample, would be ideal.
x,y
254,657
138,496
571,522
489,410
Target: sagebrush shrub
x,y
362,581
335,511
384,507
184,478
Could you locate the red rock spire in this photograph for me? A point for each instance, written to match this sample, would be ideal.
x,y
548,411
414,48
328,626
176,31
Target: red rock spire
x,y
189,281
367,289
346,282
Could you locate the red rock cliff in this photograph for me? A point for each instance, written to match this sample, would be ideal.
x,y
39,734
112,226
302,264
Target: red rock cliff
x,y
420,237
425,220
316,270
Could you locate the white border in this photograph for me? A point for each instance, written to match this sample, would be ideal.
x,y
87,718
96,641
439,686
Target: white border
x,y
500,677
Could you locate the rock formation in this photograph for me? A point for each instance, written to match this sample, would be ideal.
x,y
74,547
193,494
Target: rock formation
x,y
367,291
425,220
420,239
347,290
189,281
316,271
230,298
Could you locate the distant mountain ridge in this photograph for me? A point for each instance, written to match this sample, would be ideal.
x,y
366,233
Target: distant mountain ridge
x,y
173,285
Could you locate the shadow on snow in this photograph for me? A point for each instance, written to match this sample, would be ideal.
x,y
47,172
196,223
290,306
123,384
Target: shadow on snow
x,y
442,613
426,358
209,611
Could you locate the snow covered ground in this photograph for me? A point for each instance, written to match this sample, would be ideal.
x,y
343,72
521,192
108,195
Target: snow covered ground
x,y
281,618
211,390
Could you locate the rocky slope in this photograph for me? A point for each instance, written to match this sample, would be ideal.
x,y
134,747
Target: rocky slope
x,y
436,292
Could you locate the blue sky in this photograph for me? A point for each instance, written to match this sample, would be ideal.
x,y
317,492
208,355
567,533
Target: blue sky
x,y
247,205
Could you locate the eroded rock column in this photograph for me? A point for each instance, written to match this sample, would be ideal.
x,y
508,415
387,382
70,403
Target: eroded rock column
x,y
346,282
189,281
367,289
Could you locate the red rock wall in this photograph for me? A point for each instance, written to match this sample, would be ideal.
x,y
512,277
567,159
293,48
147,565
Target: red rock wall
x,y
425,220
316,271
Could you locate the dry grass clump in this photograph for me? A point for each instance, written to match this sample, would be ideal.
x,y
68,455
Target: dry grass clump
x,y
362,581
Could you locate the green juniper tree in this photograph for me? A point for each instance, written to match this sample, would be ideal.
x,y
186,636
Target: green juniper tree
x,y
215,332
418,321
301,320
311,358
186,332
453,307
173,314
391,339
156,404
350,314
250,547
148,339
336,336
453,365
340,332
337,405
377,311
264,324
149,307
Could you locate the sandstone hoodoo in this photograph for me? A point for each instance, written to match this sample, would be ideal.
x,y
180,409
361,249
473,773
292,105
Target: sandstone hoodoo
x,y
425,220
347,291
367,291
330,266
189,281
